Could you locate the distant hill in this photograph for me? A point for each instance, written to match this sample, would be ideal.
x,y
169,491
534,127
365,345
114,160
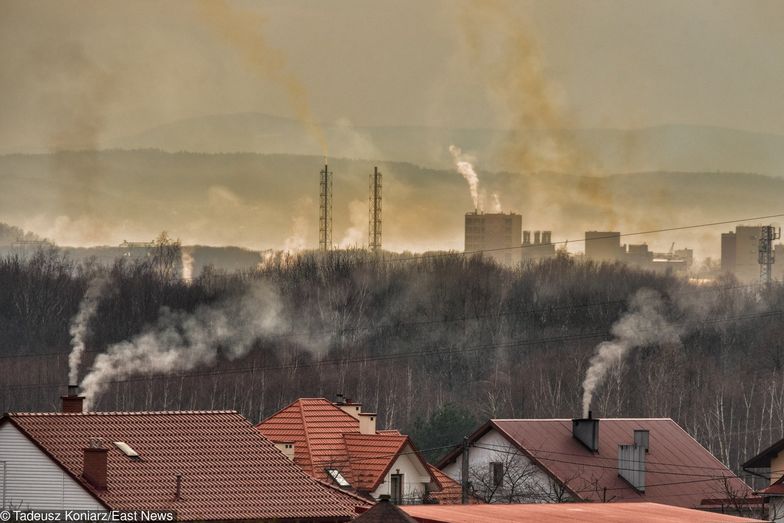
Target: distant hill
x,y
269,201
663,148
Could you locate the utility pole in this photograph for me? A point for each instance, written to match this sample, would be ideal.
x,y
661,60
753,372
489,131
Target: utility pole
x,y
767,255
374,229
464,472
325,210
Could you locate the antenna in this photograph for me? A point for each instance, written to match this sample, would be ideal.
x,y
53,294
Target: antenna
x,y
767,256
374,229
325,210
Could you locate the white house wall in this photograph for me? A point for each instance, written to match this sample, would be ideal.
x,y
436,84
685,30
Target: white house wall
x,y
415,476
482,457
34,481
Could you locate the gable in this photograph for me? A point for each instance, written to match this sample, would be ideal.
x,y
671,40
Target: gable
x,y
34,480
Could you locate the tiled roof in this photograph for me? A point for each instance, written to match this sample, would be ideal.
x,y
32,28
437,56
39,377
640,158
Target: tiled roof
x,y
451,492
565,513
679,471
228,470
325,436
384,512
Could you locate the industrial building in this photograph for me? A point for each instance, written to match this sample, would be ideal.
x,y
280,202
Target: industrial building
x,y
740,251
537,245
498,235
603,246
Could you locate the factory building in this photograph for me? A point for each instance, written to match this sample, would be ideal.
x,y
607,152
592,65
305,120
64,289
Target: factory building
x,y
497,234
603,246
740,252
537,245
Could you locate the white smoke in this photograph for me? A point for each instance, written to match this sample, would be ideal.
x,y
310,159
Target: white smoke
x,y
642,325
80,323
181,341
357,232
465,168
186,258
496,202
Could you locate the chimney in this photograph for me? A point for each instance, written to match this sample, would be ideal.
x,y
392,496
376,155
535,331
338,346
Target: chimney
x,y
94,470
526,237
586,430
367,423
341,400
287,448
547,237
537,237
642,438
73,402
349,407
631,465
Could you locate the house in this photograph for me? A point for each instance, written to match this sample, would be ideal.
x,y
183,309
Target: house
x,y
554,460
210,465
566,513
339,443
770,464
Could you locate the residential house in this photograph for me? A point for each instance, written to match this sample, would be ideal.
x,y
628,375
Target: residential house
x,y
770,464
337,442
554,460
210,465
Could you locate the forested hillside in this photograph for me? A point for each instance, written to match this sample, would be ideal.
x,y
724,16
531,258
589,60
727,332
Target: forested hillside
x,y
433,344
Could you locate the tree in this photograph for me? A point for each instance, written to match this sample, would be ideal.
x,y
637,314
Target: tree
x,y
443,428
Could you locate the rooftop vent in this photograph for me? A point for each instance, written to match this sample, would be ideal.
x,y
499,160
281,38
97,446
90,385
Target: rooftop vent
x,y
586,430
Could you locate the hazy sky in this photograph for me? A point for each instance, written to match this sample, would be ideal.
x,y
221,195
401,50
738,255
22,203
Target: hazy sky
x,y
116,67
76,74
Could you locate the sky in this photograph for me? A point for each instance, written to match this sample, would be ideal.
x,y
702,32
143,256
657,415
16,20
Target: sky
x,y
76,74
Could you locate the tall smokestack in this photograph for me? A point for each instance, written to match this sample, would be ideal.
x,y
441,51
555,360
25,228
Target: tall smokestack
x,y
325,210
73,403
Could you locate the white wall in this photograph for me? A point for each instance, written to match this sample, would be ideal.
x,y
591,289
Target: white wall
x,y
415,476
496,449
34,481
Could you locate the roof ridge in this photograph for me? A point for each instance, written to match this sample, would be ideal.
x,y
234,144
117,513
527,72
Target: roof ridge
x,y
305,430
123,413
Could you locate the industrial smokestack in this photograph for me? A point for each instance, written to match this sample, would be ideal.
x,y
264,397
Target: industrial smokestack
x,y
586,430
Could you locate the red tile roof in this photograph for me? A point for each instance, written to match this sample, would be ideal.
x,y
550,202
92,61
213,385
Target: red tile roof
x,y
325,436
565,512
229,471
679,471
451,492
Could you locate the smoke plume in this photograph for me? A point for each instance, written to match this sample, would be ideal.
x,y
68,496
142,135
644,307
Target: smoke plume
x,y
642,325
80,323
186,258
181,341
243,31
465,168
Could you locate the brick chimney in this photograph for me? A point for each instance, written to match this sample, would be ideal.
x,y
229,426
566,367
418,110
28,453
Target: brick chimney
x,y
95,466
73,402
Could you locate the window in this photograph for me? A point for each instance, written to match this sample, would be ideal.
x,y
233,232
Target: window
x,y
127,450
396,489
338,477
497,473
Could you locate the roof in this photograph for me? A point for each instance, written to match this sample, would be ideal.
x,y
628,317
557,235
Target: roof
x,y
384,512
325,436
774,489
679,471
451,491
565,512
229,471
762,460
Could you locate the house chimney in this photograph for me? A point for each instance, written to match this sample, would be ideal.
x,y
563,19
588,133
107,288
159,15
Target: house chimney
x,y
94,468
287,448
349,407
631,465
73,402
586,430
642,438
367,423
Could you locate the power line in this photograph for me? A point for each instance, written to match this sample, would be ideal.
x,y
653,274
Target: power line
x,y
457,319
387,357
